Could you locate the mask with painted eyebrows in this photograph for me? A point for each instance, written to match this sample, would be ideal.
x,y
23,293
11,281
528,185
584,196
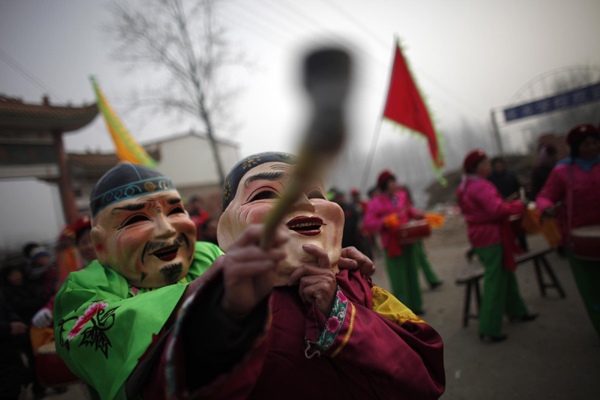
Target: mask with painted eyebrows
x,y
312,220
146,235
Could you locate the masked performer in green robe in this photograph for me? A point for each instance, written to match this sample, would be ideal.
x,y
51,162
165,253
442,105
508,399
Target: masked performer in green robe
x,y
113,318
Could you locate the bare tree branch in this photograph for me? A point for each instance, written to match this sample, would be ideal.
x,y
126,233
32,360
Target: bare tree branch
x,y
183,40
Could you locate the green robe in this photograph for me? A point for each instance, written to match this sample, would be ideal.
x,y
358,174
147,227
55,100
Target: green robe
x,y
587,277
103,325
404,277
500,292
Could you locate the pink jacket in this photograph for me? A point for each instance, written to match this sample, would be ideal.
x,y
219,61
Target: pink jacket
x,y
484,210
383,206
586,195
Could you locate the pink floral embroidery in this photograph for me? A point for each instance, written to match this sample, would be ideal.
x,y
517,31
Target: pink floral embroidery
x,y
89,313
342,297
333,324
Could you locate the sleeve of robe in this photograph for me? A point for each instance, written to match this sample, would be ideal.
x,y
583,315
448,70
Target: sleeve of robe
x,y
373,219
372,330
207,355
488,198
103,326
553,191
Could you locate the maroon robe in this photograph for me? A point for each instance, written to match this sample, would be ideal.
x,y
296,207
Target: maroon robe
x,y
371,357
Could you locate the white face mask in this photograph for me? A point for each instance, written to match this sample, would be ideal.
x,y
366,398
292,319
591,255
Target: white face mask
x,y
149,240
313,219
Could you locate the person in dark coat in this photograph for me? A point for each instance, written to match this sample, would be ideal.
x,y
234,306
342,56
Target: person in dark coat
x,y
509,186
21,297
42,273
20,292
13,373
506,182
541,171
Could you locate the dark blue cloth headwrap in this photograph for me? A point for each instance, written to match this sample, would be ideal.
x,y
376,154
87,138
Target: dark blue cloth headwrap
x,y
239,170
126,181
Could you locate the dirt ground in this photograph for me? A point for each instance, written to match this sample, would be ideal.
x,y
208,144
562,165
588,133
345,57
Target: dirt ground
x,y
555,357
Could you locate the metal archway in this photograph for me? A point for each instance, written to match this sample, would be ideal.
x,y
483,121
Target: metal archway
x,y
592,70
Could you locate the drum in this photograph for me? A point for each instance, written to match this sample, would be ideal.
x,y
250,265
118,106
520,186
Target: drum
x,y
412,232
51,369
585,241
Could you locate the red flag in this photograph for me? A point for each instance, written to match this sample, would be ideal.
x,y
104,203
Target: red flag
x,y
406,107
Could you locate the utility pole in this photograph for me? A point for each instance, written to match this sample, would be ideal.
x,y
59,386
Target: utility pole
x,y
496,133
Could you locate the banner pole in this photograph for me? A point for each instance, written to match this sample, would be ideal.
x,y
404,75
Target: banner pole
x,y
371,154
496,133
378,126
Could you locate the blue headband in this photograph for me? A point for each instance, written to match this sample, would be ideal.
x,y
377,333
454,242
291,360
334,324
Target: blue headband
x,y
241,168
126,181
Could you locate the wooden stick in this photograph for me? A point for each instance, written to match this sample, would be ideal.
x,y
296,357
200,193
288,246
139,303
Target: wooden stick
x,y
326,78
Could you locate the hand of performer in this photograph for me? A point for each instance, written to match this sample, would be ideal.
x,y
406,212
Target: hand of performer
x,y
317,281
42,319
353,259
249,271
18,328
549,212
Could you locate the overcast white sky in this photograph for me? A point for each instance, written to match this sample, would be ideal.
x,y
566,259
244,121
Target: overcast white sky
x,y
468,56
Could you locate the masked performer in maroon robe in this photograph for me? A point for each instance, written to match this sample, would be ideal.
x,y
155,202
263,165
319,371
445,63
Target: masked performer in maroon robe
x,y
333,333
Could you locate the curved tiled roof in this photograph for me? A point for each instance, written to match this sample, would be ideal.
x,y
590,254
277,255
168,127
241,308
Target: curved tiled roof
x,y
16,114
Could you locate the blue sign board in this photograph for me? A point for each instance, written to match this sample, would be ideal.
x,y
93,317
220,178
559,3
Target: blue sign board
x,y
565,100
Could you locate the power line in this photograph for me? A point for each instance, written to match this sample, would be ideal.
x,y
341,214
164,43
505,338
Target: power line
x,y
28,75
299,14
261,32
379,41
301,17
263,18
357,23
259,21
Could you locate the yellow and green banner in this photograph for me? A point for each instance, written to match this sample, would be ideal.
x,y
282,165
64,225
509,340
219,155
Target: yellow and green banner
x,y
127,148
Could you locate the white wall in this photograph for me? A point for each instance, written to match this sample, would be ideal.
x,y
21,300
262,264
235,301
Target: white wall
x,y
188,161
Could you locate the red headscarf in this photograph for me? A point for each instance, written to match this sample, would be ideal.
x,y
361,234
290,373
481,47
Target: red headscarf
x,y
474,157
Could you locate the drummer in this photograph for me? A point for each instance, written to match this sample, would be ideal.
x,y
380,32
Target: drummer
x,y
428,272
575,182
385,214
494,243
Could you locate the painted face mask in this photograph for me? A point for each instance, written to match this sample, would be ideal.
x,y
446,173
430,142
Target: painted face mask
x,y
253,187
140,228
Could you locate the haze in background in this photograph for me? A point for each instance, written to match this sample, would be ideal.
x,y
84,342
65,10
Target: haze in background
x,y
467,57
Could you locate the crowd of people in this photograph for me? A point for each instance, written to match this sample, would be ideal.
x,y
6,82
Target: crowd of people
x,y
28,286
149,297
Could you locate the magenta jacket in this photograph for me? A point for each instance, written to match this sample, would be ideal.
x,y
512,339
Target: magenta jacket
x,y
484,210
586,195
383,206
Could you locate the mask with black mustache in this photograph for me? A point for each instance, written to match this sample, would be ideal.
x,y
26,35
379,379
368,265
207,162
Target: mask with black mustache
x,y
165,251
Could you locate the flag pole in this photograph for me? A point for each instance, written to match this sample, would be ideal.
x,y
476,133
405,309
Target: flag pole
x,y
371,153
369,163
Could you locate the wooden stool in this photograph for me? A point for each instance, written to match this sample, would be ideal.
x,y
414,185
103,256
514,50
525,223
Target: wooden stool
x,y
539,259
471,281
